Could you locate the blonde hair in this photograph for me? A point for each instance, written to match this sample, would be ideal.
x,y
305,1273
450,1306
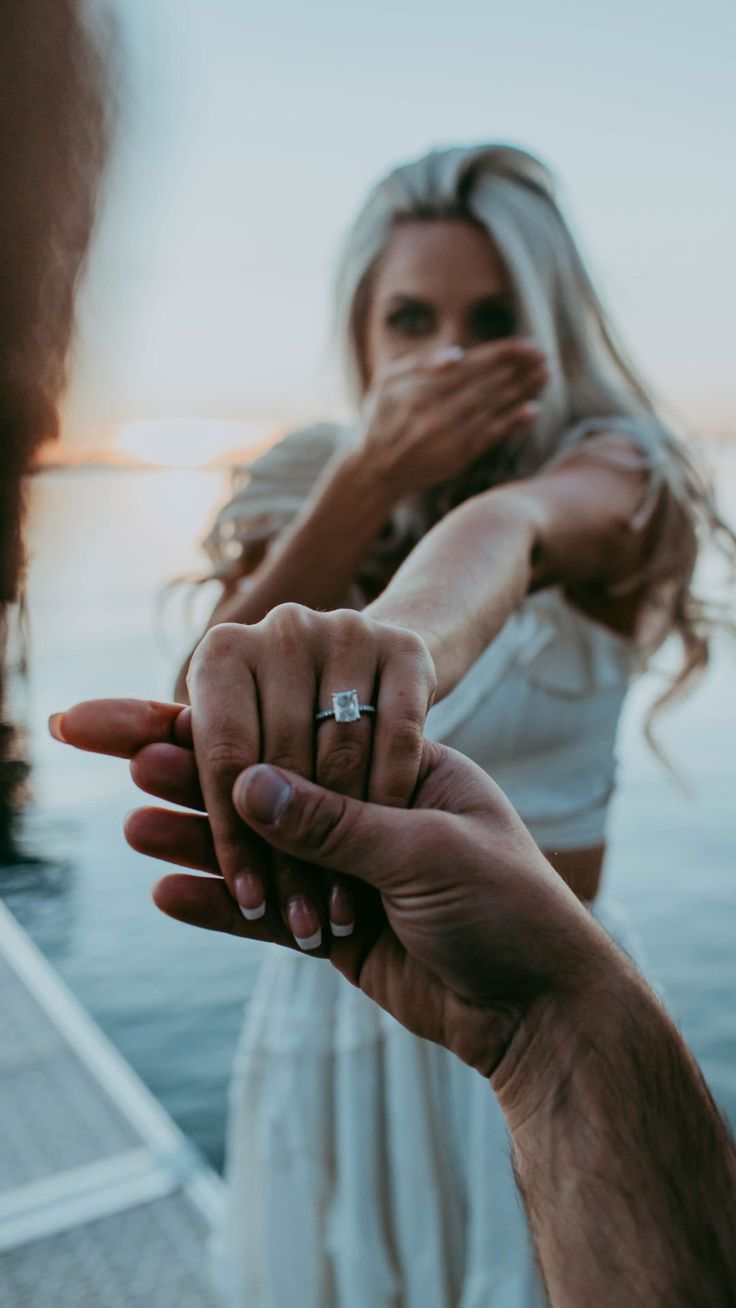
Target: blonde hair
x,y
593,388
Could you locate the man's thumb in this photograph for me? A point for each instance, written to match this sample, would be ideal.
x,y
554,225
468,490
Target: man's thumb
x,y
319,826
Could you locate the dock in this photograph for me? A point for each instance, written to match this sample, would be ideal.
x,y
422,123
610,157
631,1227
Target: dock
x,y
103,1201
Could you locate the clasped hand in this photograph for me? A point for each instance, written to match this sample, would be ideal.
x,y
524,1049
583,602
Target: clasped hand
x,y
460,925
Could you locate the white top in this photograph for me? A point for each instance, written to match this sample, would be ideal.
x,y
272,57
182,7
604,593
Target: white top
x,y
539,711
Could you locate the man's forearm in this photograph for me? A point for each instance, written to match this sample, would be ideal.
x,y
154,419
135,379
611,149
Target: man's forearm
x,y
627,1170
462,582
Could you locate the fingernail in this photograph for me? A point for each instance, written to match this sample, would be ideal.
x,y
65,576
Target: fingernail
x,y
264,794
55,727
304,922
250,895
342,913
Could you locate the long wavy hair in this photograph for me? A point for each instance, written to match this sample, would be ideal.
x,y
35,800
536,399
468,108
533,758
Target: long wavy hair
x,y
594,387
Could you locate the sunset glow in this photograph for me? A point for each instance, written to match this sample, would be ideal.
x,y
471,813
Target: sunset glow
x,y
186,442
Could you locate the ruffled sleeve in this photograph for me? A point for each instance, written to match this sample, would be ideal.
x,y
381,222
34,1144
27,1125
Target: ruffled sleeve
x,y
672,483
268,494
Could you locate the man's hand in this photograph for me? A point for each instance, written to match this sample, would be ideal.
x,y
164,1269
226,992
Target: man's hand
x,y
254,693
462,926
467,936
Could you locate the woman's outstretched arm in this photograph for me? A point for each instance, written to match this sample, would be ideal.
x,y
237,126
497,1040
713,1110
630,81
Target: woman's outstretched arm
x,y
423,422
575,526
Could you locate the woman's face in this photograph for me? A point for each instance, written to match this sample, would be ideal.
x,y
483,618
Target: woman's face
x,y
439,284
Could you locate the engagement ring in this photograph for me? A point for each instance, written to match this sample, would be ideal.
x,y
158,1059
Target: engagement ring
x,y
346,707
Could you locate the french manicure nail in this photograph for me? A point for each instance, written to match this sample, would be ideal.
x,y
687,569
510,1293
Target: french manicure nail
x,y
250,896
342,913
310,942
304,922
55,727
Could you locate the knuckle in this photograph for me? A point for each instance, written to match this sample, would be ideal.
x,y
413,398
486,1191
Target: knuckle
x,y
348,629
285,758
410,646
406,739
225,756
288,623
288,615
343,761
227,640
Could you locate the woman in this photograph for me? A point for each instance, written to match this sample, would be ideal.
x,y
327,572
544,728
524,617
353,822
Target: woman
x,y
520,530
451,259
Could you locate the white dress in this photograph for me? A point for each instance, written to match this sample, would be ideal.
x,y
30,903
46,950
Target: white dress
x,y
369,1168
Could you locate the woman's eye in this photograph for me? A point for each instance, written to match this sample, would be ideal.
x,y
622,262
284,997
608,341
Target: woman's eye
x,y
411,320
492,321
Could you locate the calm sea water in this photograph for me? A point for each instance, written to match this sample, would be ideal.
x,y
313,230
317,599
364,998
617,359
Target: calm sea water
x,y
172,998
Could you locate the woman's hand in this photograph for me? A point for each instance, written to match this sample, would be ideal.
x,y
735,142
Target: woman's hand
x,y
426,421
254,694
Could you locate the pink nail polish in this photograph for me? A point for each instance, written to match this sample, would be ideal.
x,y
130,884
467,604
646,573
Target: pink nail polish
x,y
342,912
55,727
250,895
304,922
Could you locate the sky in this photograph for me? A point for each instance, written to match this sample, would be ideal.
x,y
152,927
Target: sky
x,y
250,134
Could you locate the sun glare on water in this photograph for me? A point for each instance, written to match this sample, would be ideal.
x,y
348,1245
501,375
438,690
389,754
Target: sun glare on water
x,y
185,442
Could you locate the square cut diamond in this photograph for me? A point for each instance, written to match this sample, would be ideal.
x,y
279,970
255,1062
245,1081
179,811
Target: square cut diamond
x,y
346,705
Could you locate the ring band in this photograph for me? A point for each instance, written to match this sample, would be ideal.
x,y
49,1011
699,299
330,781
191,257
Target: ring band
x,y
346,707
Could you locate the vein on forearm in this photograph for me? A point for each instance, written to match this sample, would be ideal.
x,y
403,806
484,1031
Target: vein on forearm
x,y
627,1169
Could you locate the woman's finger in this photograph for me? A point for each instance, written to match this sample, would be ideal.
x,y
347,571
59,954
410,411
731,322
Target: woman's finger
x,y
495,392
186,839
226,730
406,690
514,418
287,693
514,350
345,748
120,727
169,772
201,902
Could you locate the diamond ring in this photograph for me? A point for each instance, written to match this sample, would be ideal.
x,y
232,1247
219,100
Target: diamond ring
x,y
346,707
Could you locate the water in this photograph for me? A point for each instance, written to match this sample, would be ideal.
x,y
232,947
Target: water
x,y
172,998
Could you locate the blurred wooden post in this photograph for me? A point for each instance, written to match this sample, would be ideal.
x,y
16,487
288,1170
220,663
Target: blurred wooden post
x,y
54,132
